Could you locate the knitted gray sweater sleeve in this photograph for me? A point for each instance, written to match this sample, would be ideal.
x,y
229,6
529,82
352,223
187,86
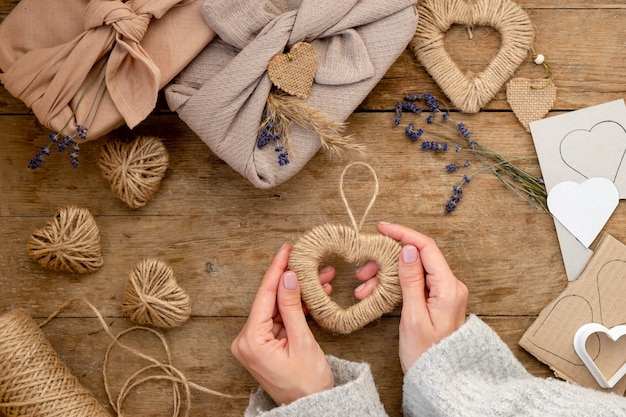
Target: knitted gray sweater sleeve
x,y
354,394
473,373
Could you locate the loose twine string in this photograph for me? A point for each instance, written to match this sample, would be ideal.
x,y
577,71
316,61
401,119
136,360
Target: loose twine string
x,y
34,382
355,247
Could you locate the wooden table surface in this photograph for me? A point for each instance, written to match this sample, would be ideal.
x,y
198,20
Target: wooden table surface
x,y
219,233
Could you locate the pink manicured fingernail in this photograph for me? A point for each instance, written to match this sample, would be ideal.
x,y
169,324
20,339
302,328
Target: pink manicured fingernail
x,y
409,254
325,269
290,280
360,287
382,222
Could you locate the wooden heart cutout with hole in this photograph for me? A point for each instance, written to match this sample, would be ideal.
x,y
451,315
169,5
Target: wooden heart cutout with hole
x,y
323,240
471,92
294,72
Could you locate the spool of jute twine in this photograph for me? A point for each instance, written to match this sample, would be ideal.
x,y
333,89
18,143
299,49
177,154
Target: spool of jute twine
x,y
469,92
134,170
70,242
354,247
35,383
153,297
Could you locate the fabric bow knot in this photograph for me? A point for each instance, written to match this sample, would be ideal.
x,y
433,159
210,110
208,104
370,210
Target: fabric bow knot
x,y
355,43
49,79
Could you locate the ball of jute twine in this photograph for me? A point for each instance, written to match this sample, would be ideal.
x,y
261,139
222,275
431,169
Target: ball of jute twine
x,y
134,170
355,247
70,242
35,383
470,92
153,297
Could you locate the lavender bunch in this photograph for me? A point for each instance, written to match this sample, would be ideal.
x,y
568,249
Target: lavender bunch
x,y
62,143
458,136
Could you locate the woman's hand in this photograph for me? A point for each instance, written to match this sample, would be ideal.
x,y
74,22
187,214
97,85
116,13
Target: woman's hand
x,y
276,345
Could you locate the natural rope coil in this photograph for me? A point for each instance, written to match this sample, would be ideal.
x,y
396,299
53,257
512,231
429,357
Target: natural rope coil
x,y
35,383
153,296
355,247
470,92
70,242
134,170
33,380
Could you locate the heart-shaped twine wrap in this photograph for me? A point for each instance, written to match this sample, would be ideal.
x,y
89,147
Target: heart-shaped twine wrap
x,y
222,95
470,92
354,247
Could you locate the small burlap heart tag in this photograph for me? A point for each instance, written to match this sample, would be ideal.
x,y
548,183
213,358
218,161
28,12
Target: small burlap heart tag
x,y
294,72
530,100
134,170
70,242
153,296
470,92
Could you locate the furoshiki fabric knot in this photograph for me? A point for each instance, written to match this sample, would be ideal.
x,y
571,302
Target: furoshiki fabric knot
x,y
82,46
222,94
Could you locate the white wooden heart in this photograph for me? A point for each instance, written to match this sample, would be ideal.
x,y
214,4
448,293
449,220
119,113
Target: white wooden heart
x,y
580,340
584,208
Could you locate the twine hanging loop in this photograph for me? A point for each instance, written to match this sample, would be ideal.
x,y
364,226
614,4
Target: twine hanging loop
x,y
354,247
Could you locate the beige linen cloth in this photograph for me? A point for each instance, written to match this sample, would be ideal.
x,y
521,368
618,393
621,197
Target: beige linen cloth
x,y
221,95
57,56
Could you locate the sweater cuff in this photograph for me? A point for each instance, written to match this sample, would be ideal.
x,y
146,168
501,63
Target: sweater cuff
x,y
354,394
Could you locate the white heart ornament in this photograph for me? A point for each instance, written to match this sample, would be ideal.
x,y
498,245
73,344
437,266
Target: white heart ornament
x,y
580,340
584,208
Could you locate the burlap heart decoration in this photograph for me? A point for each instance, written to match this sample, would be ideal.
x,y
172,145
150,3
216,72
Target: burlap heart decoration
x,y
294,72
134,170
153,297
70,242
470,92
530,100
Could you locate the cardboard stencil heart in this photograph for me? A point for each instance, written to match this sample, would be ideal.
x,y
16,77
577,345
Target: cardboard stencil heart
x,y
580,341
323,240
607,139
530,100
470,92
134,170
584,208
294,72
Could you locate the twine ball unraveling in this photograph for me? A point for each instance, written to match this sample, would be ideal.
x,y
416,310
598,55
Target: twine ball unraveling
x,y
134,170
153,297
34,381
470,92
354,247
70,242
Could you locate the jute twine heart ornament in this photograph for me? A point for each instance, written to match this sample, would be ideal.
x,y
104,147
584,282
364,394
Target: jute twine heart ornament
x,y
294,72
153,297
354,247
530,100
470,92
134,170
70,242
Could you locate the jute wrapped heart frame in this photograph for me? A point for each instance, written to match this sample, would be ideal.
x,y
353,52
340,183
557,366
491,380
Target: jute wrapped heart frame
x,y
470,92
354,247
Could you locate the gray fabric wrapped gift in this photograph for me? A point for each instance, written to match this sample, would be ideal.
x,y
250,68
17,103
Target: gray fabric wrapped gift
x,y
222,94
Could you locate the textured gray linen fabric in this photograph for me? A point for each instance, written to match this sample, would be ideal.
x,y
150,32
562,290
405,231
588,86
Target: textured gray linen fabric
x,y
471,373
221,95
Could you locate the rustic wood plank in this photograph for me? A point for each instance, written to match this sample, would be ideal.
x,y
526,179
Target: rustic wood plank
x,y
201,350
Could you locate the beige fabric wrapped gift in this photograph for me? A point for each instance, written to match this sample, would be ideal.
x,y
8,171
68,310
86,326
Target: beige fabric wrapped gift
x,y
222,94
97,63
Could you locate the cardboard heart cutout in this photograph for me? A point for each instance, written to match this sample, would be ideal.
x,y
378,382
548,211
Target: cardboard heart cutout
x,y
580,341
470,92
